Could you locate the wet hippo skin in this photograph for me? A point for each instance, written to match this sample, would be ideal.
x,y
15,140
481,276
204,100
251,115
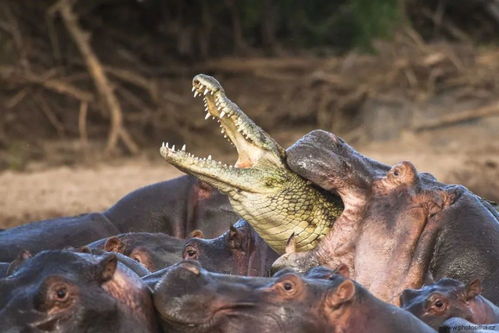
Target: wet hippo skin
x,y
67,291
447,298
191,299
399,227
175,207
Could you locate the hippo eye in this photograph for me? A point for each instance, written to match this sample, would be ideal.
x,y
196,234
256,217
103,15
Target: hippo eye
x,y
396,172
288,286
439,304
61,293
190,253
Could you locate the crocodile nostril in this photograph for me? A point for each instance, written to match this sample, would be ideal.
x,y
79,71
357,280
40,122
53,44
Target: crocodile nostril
x,y
196,81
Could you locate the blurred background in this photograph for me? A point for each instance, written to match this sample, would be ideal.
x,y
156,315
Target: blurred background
x,y
89,89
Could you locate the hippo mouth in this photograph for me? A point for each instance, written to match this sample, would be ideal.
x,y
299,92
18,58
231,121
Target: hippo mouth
x,y
255,148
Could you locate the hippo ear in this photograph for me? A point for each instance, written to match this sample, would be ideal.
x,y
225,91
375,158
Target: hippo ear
x,y
16,263
106,267
473,289
196,234
235,238
342,294
291,244
114,244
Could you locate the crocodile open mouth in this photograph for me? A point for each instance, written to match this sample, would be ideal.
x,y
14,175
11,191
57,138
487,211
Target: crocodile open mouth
x,y
253,145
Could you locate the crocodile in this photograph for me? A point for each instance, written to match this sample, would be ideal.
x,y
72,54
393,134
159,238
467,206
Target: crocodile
x,y
262,189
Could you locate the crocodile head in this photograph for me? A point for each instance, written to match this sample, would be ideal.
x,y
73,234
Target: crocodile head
x,y
260,186
259,155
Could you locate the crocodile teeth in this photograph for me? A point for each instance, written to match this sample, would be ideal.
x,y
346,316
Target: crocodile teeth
x,y
183,148
206,91
209,157
173,148
196,93
193,88
222,114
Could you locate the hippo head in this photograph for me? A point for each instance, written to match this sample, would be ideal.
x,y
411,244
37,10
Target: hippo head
x,y
440,301
189,298
238,251
65,291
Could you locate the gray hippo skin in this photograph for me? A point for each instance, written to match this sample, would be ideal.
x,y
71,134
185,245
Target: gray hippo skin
x,y
67,291
449,298
175,207
153,250
191,299
399,227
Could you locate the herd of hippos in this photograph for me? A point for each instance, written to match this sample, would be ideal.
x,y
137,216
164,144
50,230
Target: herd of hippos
x,y
320,239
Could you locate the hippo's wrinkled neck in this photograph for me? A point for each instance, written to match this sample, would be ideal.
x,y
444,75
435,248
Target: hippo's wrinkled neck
x,y
483,311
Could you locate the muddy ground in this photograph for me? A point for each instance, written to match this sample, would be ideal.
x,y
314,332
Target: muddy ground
x,y
466,154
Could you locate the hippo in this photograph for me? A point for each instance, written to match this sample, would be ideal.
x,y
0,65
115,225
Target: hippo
x,y
175,207
67,291
191,299
153,250
399,228
448,298
239,251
